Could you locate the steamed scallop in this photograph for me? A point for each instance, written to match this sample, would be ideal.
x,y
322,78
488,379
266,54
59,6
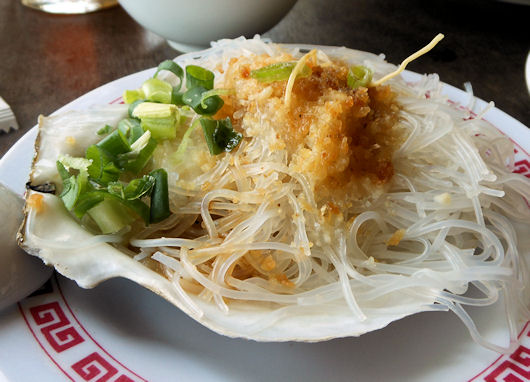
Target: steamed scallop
x,y
334,207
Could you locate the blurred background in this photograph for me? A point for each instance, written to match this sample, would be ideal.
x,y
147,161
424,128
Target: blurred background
x,y
49,60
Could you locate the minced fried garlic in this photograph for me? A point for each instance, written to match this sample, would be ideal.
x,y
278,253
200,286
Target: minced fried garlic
x,y
35,201
268,264
396,237
341,139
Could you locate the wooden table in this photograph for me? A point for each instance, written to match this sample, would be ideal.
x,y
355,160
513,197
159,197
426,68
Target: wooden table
x,y
49,60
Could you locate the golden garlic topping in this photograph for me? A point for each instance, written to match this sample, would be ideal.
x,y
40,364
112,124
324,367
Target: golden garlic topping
x,y
341,139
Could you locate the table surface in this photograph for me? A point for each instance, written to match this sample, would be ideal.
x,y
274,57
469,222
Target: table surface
x,y
49,60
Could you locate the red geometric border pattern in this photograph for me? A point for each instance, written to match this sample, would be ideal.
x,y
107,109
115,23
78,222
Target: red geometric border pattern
x,y
510,368
67,343
94,365
59,334
522,167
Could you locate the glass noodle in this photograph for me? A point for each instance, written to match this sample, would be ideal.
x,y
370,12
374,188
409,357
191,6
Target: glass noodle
x,y
453,198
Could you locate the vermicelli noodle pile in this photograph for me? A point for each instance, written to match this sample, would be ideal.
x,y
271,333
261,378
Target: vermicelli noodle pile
x,y
415,202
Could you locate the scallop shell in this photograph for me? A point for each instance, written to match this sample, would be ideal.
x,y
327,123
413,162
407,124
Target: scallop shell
x,y
53,235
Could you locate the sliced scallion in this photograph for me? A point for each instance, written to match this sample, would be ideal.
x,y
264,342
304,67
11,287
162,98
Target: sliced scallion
x,y
63,172
220,135
102,167
141,142
133,106
110,215
198,76
225,135
154,110
194,99
104,130
160,119
92,198
359,76
161,128
86,201
176,97
131,128
71,187
131,96
136,163
134,190
80,164
212,93
159,196
174,68
278,72
156,90
115,143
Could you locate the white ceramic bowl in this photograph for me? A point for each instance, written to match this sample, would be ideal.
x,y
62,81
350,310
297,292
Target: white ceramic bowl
x,y
192,24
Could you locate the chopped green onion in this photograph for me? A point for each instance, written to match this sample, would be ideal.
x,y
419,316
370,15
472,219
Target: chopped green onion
x,y
161,128
131,96
136,132
90,199
141,142
109,173
134,190
140,208
219,135
86,201
71,187
194,99
214,92
174,68
63,172
135,163
70,192
160,119
133,106
131,128
197,76
225,136
359,76
156,90
154,110
115,143
176,97
116,188
278,72
80,164
139,187
209,126
102,168
110,215
104,130
159,197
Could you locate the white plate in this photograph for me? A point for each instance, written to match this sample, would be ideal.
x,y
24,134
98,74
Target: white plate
x,y
120,331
